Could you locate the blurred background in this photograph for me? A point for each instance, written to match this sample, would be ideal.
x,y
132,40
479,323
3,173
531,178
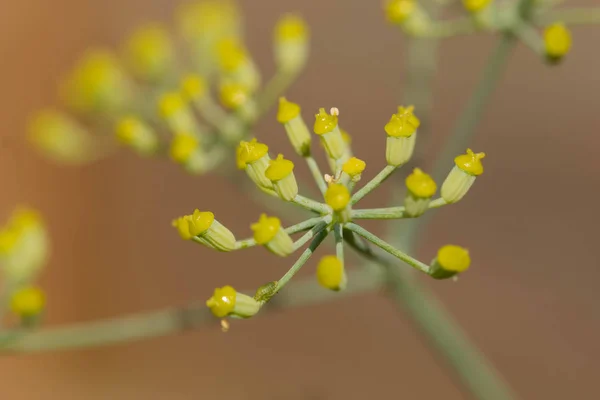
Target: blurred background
x,y
529,301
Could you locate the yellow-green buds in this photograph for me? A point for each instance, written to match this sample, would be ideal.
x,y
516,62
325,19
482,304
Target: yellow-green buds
x,y
269,233
450,261
557,40
421,187
398,11
97,84
23,246
236,66
255,158
27,302
354,168
60,137
194,87
133,132
331,274
295,127
149,52
226,301
326,126
462,176
186,150
281,173
175,111
237,97
337,197
475,6
291,43
206,229
401,136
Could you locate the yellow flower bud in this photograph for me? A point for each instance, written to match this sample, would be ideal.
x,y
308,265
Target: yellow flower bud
x,y
149,52
475,6
281,173
237,97
295,127
460,179
236,65
97,84
133,132
398,11
291,43
557,39
23,246
421,187
28,302
401,136
450,261
255,157
194,87
337,197
331,274
175,111
183,227
184,147
210,232
226,301
326,126
354,168
61,138
269,233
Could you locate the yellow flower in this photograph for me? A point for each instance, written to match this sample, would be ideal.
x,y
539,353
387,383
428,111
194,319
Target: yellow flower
x,y
354,168
398,11
337,197
401,136
183,147
326,126
331,274
462,176
210,232
476,5
450,261
28,301
133,132
421,187
194,87
149,52
281,173
183,227
557,39
236,66
255,157
295,127
269,233
470,162
291,43
226,301
234,95
174,110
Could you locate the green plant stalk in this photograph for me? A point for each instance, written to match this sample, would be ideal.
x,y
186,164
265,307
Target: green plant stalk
x,y
316,173
310,204
373,183
314,231
390,212
338,234
273,89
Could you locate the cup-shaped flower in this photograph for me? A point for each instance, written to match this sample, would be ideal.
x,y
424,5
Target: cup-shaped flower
x,y
281,173
255,158
450,260
226,301
326,126
269,233
295,127
421,187
291,43
462,176
401,136
331,273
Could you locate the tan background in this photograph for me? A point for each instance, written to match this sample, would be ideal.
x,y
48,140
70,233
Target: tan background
x,y
530,300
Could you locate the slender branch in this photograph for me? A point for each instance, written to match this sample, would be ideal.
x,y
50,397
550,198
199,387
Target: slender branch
x,y
310,234
373,183
338,234
416,264
312,205
299,227
390,212
316,173
273,89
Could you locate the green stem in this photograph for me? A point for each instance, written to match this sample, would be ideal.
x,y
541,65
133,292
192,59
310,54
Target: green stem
x,y
312,205
373,183
316,173
299,227
573,16
310,234
338,234
321,235
416,264
390,212
273,89
455,27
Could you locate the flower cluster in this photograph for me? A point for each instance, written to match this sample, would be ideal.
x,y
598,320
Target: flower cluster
x,y
485,15
335,212
23,252
193,106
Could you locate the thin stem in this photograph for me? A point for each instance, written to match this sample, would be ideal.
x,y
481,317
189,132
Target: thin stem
x,y
321,235
273,89
338,234
302,226
316,173
312,205
572,16
310,234
373,183
530,37
390,212
416,264
455,27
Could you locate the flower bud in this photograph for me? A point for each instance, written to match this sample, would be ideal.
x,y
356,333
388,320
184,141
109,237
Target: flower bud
x,y
337,197
557,40
194,87
61,138
236,66
475,6
255,157
462,176
149,52
450,261
421,188
226,301
401,136
291,43
28,302
269,233
175,112
398,11
331,274
281,173
210,232
133,132
237,97
326,126
295,127
354,168
186,150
